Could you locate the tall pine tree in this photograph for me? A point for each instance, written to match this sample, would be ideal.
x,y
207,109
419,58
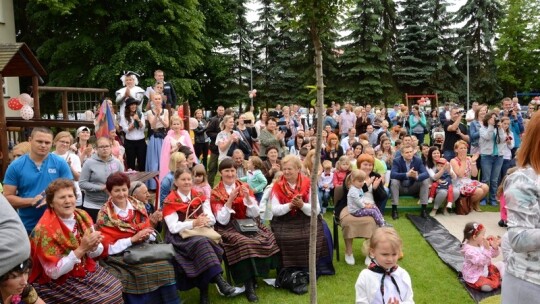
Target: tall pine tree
x,y
267,44
441,42
414,63
480,19
364,62
237,84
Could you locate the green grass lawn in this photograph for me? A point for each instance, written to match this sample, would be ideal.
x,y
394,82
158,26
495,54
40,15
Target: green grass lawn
x,y
433,281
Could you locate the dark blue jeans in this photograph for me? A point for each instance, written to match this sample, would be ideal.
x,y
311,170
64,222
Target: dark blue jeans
x,y
507,164
491,169
449,154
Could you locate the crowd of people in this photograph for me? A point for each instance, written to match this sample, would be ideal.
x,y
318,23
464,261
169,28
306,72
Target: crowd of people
x,y
83,213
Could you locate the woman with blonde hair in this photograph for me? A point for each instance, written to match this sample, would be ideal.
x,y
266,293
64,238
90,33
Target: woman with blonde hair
x,y
291,208
309,161
158,118
228,138
465,168
177,161
62,141
20,149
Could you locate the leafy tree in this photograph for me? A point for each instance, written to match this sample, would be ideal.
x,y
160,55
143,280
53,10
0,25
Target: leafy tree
x,y
319,16
291,68
414,60
517,53
219,26
480,19
364,62
90,43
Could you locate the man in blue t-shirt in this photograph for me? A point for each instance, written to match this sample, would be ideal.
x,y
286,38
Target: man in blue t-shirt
x,y
29,175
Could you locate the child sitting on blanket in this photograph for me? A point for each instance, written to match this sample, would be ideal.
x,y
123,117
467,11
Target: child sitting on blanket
x,y
355,199
478,250
443,183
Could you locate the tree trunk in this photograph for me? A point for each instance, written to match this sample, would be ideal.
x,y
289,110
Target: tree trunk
x,y
315,37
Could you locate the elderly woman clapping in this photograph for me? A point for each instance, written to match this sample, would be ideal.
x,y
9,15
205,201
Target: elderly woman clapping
x,y
291,210
64,245
124,221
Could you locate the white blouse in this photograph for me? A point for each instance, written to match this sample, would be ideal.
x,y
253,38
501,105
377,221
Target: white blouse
x,y
176,226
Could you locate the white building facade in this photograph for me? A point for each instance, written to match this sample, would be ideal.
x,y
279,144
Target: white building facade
x,y
7,35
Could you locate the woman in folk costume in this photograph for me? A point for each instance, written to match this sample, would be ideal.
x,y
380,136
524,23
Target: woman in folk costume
x,y
131,89
158,118
176,138
123,221
64,245
198,258
247,256
291,208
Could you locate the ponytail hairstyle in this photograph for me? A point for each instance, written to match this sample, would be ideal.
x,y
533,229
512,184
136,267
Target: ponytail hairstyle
x,y
355,174
471,230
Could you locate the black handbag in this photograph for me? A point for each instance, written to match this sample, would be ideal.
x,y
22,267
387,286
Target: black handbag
x,y
148,253
296,281
246,226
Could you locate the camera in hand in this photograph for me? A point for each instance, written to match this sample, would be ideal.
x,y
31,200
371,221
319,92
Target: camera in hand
x,y
497,121
461,112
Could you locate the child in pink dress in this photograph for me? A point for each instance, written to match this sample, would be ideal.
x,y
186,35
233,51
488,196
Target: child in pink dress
x,y
478,250
200,180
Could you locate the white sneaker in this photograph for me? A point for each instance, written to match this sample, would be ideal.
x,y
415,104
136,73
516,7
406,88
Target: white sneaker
x,y
449,205
349,259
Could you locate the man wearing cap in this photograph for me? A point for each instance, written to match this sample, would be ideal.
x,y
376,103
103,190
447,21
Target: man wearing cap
x,y
82,147
29,175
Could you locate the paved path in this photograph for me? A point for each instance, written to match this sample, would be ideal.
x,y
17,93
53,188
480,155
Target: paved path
x,y
455,224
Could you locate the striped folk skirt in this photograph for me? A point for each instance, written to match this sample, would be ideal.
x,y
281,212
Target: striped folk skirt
x,y
140,278
197,260
98,287
292,236
249,256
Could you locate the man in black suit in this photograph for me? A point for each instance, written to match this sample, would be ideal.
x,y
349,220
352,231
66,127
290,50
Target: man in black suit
x,y
409,177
